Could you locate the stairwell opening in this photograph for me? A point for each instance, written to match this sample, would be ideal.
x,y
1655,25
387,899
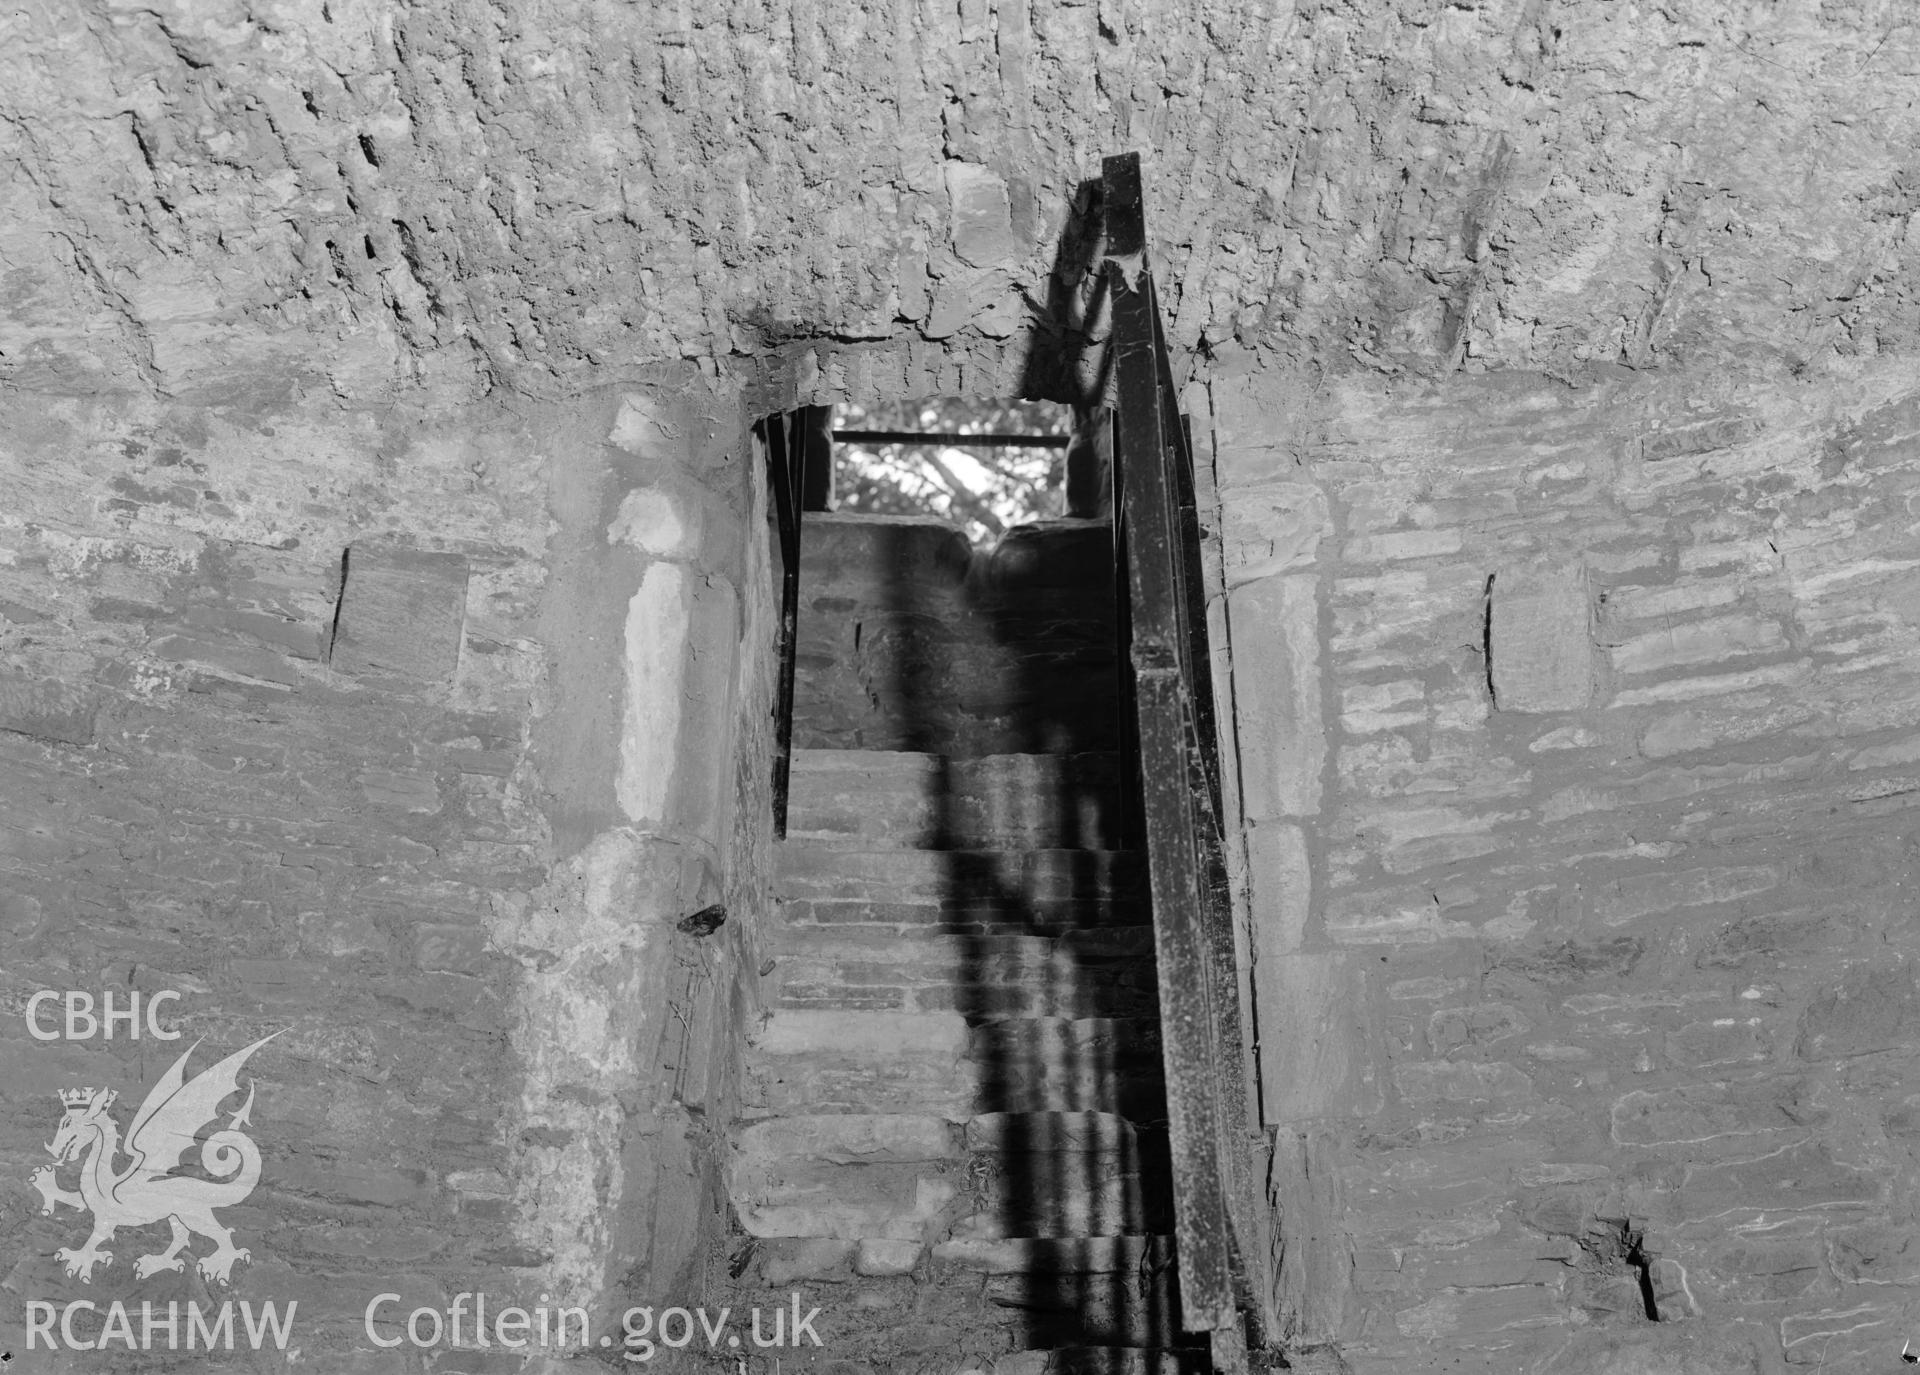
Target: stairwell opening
x,y
985,465
957,1114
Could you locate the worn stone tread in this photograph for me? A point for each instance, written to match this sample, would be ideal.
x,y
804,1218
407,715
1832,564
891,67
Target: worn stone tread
x,y
1079,973
807,870
1006,801
1030,1195
808,1060
1103,1360
1057,1255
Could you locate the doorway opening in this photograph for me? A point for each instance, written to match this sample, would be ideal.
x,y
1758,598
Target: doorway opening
x,y
984,465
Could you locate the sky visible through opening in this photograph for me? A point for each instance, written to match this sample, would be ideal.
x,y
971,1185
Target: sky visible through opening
x,y
984,491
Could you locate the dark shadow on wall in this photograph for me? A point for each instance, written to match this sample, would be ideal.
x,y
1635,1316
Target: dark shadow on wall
x,y
1067,358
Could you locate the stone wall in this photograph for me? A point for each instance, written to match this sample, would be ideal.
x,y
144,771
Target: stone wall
x,y
334,650
1577,736
478,193
324,720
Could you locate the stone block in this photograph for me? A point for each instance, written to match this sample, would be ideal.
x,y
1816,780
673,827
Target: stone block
x,y
1391,546
863,1034
56,712
1310,1017
1724,433
1314,1268
1256,419
657,521
1876,1007
1786,675
778,1197
447,948
1059,1133
1877,1252
1697,643
1473,1028
342,1181
1858,1333
402,611
1720,1042
681,636
1273,528
1539,638
1461,1082
1055,1255
1282,877
1766,937
225,657
1691,729
1694,1113
1394,618
1658,603
1369,707
1901,753
1761,1269
406,792
1397,916
1275,625
1727,1346
982,221
1804,1175
784,1261
849,1138
1476,1314
879,1258
1643,895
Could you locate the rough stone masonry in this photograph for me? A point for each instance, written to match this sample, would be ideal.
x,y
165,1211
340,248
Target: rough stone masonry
x,y
385,615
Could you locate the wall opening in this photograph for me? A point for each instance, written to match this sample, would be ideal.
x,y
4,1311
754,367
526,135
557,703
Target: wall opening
x,y
984,465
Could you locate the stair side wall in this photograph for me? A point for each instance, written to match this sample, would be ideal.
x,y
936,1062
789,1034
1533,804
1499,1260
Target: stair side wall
x,y
1576,729
324,723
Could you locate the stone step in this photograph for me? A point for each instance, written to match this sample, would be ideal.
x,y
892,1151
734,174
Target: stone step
x,y
809,1061
928,890
897,1138
1119,1304
868,798
1063,1196
1058,1133
1103,1360
911,1177
1025,1257
926,1202
1117,1145
848,1175
1097,973
1010,1262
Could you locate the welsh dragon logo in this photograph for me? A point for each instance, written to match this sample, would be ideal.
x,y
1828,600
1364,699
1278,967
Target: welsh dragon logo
x,y
144,1191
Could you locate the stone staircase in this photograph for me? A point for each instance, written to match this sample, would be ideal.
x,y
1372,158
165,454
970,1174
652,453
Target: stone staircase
x,y
954,1139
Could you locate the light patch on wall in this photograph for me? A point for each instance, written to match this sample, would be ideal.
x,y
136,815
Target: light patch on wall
x,y
652,521
659,620
636,429
586,1024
